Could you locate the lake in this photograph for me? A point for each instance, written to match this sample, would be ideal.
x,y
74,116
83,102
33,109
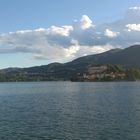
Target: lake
x,y
70,111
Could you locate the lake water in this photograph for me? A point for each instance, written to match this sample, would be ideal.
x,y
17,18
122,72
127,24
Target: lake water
x,y
70,111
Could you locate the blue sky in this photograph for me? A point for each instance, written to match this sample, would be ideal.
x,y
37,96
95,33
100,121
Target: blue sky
x,y
37,32
30,14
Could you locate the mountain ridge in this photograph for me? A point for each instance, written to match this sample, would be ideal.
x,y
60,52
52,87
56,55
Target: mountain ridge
x,y
128,57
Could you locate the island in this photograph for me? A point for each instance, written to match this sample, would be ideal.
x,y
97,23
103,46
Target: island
x,y
112,65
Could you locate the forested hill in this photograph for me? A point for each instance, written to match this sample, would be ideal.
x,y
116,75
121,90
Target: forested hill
x,y
128,58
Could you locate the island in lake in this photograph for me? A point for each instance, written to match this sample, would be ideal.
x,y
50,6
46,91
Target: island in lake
x,y
113,65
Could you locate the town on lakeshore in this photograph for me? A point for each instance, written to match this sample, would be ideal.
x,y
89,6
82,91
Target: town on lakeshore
x,y
102,73
112,65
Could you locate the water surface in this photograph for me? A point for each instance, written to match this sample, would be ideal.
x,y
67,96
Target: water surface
x,y
70,111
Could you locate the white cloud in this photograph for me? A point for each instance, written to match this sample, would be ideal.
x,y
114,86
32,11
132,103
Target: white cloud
x,y
134,8
110,33
40,30
88,50
86,22
71,51
133,27
57,53
64,30
63,43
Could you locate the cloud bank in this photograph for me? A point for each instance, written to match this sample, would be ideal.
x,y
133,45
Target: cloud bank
x,y
81,38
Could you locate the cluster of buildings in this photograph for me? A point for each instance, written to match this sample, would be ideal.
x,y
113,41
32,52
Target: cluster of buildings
x,y
102,73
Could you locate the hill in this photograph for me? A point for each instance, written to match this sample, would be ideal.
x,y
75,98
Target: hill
x,y
129,58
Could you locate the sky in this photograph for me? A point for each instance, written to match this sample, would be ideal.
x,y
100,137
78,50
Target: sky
x,y
39,32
